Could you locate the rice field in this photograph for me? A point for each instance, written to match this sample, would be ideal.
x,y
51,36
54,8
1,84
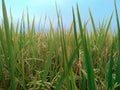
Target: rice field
x,y
59,59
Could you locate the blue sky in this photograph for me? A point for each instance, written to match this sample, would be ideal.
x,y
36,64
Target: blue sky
x,y
100,9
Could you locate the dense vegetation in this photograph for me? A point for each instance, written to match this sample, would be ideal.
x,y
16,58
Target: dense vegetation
x,y
59,59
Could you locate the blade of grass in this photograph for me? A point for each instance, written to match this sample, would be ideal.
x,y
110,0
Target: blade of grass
x,y
10,48
28,22
118,61
70,70
109,23
2,75
93,24
88,59
72,58
48,65
63,52
110,81
75,30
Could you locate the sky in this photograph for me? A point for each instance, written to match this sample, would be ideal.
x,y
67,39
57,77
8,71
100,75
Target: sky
x,y
46,8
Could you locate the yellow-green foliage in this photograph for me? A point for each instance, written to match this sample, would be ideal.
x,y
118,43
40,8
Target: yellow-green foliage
x,y
59,59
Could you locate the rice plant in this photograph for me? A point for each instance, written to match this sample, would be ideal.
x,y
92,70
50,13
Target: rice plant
x,y
59,59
